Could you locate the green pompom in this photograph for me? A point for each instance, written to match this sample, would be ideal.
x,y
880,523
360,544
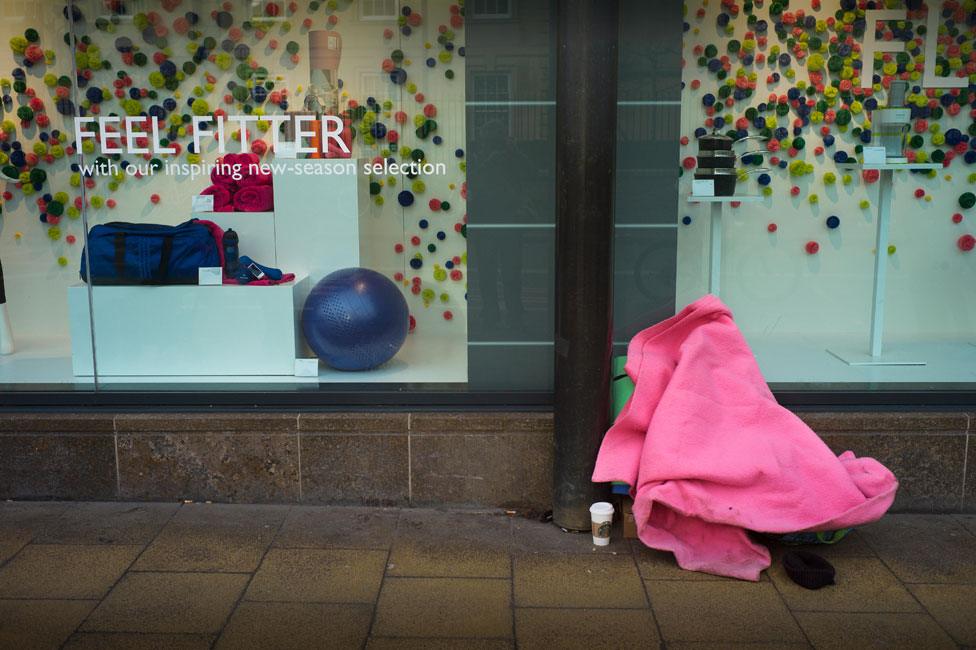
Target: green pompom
x,y
37,176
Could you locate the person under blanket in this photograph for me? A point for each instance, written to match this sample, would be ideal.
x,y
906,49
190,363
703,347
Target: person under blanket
x,y
711,454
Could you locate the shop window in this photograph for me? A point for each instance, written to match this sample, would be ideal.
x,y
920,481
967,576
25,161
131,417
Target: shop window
x,y
189,185
491,99
378,9
847,255
492,9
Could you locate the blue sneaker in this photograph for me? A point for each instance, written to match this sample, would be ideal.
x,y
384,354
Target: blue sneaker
x,y
249,271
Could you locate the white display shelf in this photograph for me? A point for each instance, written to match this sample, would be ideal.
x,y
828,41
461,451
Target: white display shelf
x,y
186,330
779,358
748,198
314,228
874,353
890,165
421,359
715,233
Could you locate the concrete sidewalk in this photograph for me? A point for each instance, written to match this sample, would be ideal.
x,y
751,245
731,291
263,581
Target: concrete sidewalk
x,y
137,575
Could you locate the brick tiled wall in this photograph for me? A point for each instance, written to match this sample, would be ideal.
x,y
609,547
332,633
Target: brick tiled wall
x,y
384,458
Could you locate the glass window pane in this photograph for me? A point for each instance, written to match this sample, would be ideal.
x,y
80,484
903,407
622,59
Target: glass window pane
x,y
225,165
839,275
45,336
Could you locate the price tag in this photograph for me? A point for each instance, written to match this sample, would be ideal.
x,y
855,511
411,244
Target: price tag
x,y
202,203
703,187
306,367
874,155
210,276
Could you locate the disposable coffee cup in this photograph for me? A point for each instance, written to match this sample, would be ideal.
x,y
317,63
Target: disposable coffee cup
x,y
601,520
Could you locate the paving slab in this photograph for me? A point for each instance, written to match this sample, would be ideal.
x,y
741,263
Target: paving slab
x,y
953,607
108,523
11,541
168,603
135,641
924,548
545,537
296,626
40,623
968,521
682,645
459,545
584,629
32,517
574,580
214,537
58,571
338,527
721,612
862,584
318,575
830,630
427,643
444,607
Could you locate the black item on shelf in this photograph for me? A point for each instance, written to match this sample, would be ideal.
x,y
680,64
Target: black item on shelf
x,y
719,142
808,570
724,179
718,159
231,253
715,142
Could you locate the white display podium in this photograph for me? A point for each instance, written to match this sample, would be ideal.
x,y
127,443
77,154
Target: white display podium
x,y
186,330
316,215
715,234
191,330
872,354
314,228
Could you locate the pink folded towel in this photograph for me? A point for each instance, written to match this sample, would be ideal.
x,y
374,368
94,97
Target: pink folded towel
x,y
255,179
222,197
710,454
254,198
221,174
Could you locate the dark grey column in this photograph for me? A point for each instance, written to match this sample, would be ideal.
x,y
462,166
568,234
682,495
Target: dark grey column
x,y
586,113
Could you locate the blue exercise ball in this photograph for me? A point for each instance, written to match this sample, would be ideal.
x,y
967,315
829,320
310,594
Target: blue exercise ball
x,y
355,319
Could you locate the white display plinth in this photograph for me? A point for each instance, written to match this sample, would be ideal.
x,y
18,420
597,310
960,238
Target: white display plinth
x,y
715,234
317,215
186,330
873,354
314,229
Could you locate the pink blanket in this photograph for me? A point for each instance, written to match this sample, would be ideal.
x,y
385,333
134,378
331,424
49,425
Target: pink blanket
x,y
254,198
710,454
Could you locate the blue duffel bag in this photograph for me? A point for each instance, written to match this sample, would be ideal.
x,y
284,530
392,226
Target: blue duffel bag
x,y
148,253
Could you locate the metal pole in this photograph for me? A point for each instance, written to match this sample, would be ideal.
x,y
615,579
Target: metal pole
x,y
880,263
586,121
715,245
